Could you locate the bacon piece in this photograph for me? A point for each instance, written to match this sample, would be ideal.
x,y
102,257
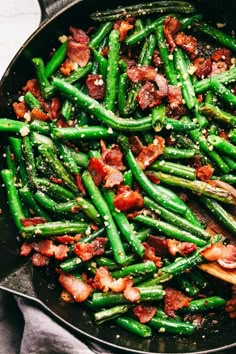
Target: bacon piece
x,y
205,172
79,35
127,199
123,26
66,67
66,239
20,109
213,252
36,220
79,184
188,43
159,245
112,157
152,177
202,67
174,300
170,28
218,68
226,186
45,247
104,281
61,123
113,177
136,145
96,86
97,169
38,260
25,249
78,52
151,152
156,60
222,55
60,252
32,85
87,251
141,73
150,255
55,107
228,257
148,97
162,84
177,111
183,248
38,114
230,307
144,312
76,287
175,98
132,294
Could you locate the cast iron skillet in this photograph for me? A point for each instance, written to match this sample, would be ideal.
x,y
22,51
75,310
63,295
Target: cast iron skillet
x,y
16,275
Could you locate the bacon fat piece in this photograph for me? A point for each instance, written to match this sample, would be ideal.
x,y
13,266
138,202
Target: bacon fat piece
x,y
76,287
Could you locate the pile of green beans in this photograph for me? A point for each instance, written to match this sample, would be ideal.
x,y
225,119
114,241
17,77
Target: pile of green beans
x,y
47,172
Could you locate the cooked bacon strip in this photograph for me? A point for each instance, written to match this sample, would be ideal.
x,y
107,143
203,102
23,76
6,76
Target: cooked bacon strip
x,y
77,52
36,220
148,97
174,300
96,86
136,145
156,60
66,67
38,260
213,252
79,35
159,244
25,249
97,169
112,156
227,187
60,252
182,248
141,73
87,251
124,26
113,177
20,109
202,67
150,175
80,186
55,107
218,68
144,312
76,287
127,199
104,281
150,255
175,98
32,85
228,257
188,43
162,84
151,152
132,294
205,172
45,247
67,239
170,28
222,55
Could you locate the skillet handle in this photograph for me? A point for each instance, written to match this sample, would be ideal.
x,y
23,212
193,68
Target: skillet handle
x,y
52,7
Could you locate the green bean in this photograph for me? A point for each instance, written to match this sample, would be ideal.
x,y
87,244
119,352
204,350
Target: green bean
x,y
198,278
112,70
28,200
150,50
100,34
175,219
13,198
10,161
105,116
71,264
40,127
170,230
102,63
223,93
39,139
184,284
202,305
45,86
68,159
75,133
109,314
135,270
171,326
44,200
80,158
221,37
174,169
224,78
78,74
13,126
187,21
103,209
56,60
66,110
29,159
122,90
222,145
218,114
197,187
133,326
55,228
232,136
172,153
88,209
54,190
221,215
230,162
16,145
128,178
158,117
32,101
229,178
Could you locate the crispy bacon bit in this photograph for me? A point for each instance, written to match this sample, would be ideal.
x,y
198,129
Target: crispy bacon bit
x,y
205,172
223,134
132,294
97,169
156,60
67,239
226,186
78,52
222,55
25,249
228,257
174,300
213,252
148,97
76,287
217,68
66,67
162,84
55,107
159,244
183,248
113,177
96,86
175,98
170,28
141,73
150,255
33,221
56,180
136,145
188,43
61,123
151,152
79,35
202,67
104,281
32,86
127,199
230,307
38,114
112,157
87,251
20,109
79,183
60,252
45,247
152,177
38,260
144,312
176,112
123,26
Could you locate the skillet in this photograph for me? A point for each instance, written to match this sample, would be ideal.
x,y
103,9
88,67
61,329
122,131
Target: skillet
x,y
17,276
